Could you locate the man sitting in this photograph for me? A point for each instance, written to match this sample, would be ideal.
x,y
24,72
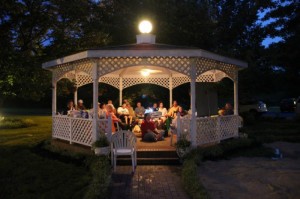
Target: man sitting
x,y
139,110
173,110
123,113
149,132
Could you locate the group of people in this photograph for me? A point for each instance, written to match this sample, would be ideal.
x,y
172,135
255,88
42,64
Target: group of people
x,y
127,117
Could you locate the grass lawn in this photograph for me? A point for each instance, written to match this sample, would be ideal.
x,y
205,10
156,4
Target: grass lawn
x,y
24,173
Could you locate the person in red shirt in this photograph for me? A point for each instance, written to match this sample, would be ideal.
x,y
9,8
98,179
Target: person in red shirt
x,y
149,132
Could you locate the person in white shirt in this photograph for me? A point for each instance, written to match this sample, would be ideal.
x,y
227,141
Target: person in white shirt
x,y
123,113
163,111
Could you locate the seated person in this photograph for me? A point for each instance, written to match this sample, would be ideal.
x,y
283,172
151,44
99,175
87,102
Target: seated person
x,y
70,108
139,110
102,111
131,113
114,118
123,113
154,107
227,110
149,132
80,106
181,111
173,110
91,112
114,109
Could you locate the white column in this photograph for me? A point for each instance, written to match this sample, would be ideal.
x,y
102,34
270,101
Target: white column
x,y
54,97
236,96
193,105
170,90
95,102
121,91
75,92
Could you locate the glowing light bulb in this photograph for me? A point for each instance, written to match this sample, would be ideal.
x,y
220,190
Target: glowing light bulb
x,y
145,26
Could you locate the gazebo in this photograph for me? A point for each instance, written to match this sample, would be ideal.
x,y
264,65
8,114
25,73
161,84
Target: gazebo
x,y
144,62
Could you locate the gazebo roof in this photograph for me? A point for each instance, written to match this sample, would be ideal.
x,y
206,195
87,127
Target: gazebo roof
x,y
127,63
145,50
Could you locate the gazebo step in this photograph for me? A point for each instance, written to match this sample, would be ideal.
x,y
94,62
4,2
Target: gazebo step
x,y
149,161
157,154
152,157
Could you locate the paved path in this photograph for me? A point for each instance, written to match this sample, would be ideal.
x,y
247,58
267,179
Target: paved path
x,y
148,182
254,178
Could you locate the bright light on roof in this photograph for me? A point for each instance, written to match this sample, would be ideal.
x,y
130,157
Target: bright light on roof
x,y
145,73
145,26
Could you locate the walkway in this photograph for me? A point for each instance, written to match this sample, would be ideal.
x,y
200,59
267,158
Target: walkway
x,y
148,182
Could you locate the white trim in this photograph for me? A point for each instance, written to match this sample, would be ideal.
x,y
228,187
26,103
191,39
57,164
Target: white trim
x,y
144,53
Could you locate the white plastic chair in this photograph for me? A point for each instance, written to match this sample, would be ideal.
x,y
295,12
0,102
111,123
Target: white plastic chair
x,y
123,143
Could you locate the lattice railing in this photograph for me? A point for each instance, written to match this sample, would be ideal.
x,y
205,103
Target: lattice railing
x,y
77,130
212,129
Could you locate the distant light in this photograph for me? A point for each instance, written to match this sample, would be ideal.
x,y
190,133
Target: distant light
x,y
145,26
145,73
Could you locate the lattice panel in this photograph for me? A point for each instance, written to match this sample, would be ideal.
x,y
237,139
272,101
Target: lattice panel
x,y
83,65
203,65
206,130
127,82
110,64
82,130
219,76
205,78
60,70
61,127
177,81
229,126
185,125
179,64
113,81
70,76
83,80
103,126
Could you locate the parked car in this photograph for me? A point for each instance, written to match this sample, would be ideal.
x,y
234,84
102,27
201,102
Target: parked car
x,y
253,106
288,105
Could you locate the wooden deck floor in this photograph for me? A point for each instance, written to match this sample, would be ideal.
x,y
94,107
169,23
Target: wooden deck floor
x,y
159,145
141,146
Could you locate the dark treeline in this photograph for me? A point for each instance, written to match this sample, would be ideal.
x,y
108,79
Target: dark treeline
x,y
35,31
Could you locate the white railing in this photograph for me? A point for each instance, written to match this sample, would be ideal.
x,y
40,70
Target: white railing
x,y
77,130
209,129
212,129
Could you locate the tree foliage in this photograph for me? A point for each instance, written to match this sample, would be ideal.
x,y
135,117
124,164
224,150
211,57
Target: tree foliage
x,y
35,31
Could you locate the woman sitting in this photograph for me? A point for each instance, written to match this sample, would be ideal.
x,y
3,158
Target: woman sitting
x,y
149,132
114,118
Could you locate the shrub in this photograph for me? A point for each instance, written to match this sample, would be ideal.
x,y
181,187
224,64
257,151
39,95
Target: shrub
x,y
190,180
100,169
101,142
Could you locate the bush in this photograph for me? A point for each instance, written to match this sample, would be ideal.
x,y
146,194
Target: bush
x,y
100,169
190,180
14,123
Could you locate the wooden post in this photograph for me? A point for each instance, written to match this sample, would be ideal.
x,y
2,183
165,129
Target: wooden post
x,y
170,90
95,102
193,129
236,96
53,98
